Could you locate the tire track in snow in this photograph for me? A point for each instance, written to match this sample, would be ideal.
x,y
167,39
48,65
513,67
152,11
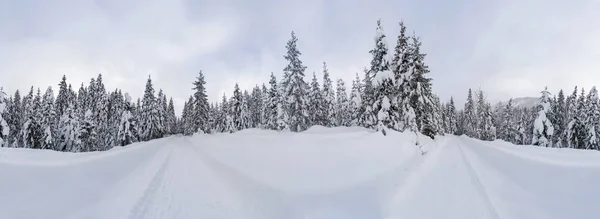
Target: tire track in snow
x,y
146,202
260,199
493,212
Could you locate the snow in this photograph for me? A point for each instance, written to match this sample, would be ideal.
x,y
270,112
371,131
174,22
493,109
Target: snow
x,y
322,172
381,76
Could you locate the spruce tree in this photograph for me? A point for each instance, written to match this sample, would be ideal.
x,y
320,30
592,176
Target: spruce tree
x,y
592,120
328,95
62,98
68,129
560,122
295,88
419,91
470,119
342,113
200,104
172,118
150,127
87,133
383,81
451,118
4,127
485,127
127,132
48,122
316,111
15,120
273,104
245,111
236,109
355,102
543,128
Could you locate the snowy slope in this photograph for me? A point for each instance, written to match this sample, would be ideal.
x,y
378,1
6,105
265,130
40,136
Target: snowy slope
x,y
321,173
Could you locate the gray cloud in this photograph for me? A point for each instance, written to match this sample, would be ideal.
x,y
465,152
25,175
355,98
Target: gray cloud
x,y
508,48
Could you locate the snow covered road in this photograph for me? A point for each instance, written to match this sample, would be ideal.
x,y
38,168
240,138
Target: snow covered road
x,y
347,173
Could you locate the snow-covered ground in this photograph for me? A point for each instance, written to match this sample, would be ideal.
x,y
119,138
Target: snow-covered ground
x,y
347,173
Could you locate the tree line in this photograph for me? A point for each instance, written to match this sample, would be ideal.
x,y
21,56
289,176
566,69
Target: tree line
x,y
394,93
91,119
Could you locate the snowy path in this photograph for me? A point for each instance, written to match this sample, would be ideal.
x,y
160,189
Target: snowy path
x,y
350,174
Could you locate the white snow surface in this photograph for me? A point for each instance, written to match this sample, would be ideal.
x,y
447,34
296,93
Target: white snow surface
x,y
347,173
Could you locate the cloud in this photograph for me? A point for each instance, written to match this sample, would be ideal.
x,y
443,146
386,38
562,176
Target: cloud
x,y
507,48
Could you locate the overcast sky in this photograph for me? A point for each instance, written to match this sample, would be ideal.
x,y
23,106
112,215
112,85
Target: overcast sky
x,y
509,48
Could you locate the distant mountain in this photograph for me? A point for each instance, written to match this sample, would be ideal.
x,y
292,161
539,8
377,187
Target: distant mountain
x,y
527,102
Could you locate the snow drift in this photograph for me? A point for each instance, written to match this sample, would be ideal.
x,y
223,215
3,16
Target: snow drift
x,y
320,173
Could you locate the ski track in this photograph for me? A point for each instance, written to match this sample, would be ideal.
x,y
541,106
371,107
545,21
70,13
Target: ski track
x,y
158,183
479,186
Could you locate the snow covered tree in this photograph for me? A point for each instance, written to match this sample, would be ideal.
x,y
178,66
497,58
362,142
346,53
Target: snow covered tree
x,y
470,118
485,129
383,81
560,120
87,133
255,107
48,122
295,88
236,109
577,134
69,130
451,118
200,104
127,132
150,121
272,104
245,111
419,91
4,128
355,102
316,111
171,117
592,120
328,99
543,128
508,130
369,119
342,114
15,120
62,100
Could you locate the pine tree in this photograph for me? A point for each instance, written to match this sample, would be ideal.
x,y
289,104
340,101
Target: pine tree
x,y
48,122
470,119
245,111
82,102
543,128
592,120
200,104
236,109
316,111
15,120
560,120
266,112
369,120
150,127
127,132
508,130
576,131
172,118
4,127
342,105
69,131
355,102
62,98
87,133
256,103
100,115
485,128
451,118
272,104
384,90
295,88
419,91
328,95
